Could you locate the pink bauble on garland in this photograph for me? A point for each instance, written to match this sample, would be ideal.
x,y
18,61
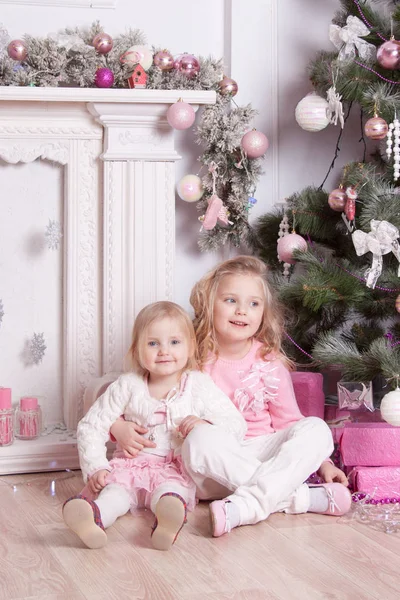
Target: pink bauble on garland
x,y
254,143
376,128
388,55
287,245
337,199
190,188
228,87
181,115
103,43
164,60
187,64
104,78
17,50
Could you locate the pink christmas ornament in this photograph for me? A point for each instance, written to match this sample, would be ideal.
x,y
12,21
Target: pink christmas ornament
x,y
337,200
388,55
254,143
287,245
190,188
187,64
228,87
181,115
17,50
164,60
104,78
376,128
103,43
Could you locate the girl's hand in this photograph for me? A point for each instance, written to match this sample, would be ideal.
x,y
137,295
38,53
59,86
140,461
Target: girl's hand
x,y
188,423
130,438
97,481
330,473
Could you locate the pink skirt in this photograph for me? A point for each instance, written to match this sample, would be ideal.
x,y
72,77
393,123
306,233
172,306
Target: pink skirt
x,y
142,475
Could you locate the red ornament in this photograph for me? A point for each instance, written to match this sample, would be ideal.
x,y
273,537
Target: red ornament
x,y
138,79
376,128
337,199
350,209
104,78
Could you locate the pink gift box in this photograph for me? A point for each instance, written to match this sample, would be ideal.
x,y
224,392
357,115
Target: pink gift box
x,y
380,482
308,389
370,445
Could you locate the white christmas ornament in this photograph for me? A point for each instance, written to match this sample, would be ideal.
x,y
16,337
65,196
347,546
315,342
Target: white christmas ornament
x,y
137,55
37,348
348,40
312,113
335,107
381,240
390,407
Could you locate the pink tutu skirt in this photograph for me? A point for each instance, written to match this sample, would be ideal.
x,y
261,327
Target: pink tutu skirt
x,y
142,475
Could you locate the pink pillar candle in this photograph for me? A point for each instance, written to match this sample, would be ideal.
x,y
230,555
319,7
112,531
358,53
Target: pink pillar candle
x,y
28,419
6,417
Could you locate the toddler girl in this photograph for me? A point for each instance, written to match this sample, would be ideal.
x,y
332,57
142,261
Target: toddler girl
x,y
164,395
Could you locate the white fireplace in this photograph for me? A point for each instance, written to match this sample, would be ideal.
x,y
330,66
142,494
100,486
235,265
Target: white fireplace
x,y
118,221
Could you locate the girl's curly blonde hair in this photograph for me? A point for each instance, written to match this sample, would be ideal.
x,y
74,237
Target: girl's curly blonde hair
x,y
202,299
148,315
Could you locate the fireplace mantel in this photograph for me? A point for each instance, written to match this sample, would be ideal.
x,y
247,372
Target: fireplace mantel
x,y
119,226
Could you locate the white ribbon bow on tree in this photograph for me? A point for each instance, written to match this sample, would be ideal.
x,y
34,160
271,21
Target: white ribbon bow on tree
x,y
381,240
347,40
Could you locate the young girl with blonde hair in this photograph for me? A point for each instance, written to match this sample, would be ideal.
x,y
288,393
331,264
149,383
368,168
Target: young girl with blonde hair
x,y
165,396
239,328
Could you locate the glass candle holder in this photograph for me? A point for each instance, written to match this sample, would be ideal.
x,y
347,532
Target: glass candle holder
x,y
6,417
28,419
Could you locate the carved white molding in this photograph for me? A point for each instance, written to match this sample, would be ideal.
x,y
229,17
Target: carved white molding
x,y
123,204
66,3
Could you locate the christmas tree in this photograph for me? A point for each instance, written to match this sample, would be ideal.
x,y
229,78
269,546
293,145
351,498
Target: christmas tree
x,y
344,289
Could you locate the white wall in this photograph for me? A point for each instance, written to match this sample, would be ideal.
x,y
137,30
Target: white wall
x,y
267,45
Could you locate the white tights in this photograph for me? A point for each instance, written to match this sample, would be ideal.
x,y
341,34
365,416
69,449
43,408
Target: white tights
x,y
115,501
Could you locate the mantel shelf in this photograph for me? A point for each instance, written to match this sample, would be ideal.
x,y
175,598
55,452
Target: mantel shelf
x,y
68,94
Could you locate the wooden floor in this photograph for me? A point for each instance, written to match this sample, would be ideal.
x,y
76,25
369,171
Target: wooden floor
x,y
287,557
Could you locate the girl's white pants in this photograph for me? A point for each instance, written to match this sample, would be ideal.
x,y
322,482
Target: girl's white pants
x,y
115,501
266,473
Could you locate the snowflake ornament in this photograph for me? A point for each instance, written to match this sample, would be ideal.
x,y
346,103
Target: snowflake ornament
x,y
53,234
1,311
37,348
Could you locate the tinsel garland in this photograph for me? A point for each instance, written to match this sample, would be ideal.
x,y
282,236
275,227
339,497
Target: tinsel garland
x,y
69,59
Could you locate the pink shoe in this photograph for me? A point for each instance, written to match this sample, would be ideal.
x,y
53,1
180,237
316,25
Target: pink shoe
x,y
219,518
214,207
339,498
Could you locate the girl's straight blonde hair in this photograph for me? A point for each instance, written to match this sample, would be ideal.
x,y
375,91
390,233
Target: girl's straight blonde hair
x,y
148,315
203,297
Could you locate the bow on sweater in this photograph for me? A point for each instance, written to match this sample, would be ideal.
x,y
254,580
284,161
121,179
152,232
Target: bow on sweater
x,y
381,240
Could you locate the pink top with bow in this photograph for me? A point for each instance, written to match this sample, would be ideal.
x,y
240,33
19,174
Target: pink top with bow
x,y
261,389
